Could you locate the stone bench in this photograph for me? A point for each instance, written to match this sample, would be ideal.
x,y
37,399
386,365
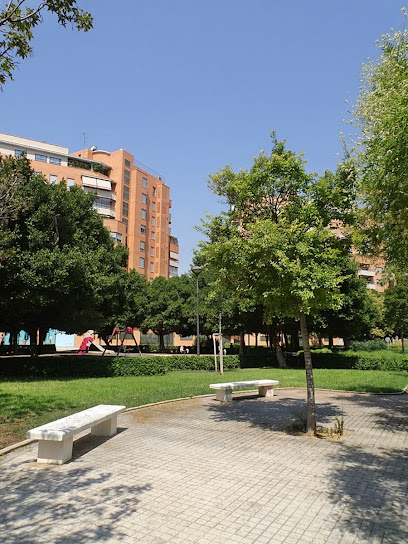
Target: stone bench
x,y
56,438
224,390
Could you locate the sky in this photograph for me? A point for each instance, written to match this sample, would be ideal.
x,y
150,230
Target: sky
x,y
188,86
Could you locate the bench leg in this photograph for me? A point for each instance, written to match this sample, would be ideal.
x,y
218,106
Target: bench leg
x,y
106,428
54,452
266,391
224,395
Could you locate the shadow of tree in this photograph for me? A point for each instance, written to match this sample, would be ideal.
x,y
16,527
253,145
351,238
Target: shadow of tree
x,y
367,485
272,414
370,488
389,412
49,504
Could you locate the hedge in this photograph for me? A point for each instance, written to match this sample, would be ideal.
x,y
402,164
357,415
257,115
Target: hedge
x,y
89,366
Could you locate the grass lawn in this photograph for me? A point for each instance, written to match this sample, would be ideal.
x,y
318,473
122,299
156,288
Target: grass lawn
x,y
27,404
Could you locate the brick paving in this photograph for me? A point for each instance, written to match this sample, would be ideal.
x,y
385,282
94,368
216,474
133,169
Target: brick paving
x,y
198,471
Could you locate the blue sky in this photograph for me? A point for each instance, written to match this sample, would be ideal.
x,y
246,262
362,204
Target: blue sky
x,y
188,86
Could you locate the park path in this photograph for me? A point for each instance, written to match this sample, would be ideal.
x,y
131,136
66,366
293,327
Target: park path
x,y
198,471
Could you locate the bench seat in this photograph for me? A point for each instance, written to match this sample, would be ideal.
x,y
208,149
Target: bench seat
x,y
224,390
55,439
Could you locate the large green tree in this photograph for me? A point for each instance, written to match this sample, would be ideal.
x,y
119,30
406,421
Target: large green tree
x,y
396,306
57,260
381,114
18,20
274,242
169,306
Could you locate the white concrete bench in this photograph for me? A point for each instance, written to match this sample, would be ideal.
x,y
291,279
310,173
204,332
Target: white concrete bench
x,y
56,438
224,390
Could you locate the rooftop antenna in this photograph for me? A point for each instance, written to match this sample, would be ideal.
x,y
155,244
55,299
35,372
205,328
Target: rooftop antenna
x,y
84,138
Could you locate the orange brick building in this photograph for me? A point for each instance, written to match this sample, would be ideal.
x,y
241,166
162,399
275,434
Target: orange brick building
x,y
134,202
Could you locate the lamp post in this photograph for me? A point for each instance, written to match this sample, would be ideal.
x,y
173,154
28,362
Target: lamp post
x,y
197,271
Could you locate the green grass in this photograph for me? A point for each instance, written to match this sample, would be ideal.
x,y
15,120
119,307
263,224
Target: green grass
x,y
29,403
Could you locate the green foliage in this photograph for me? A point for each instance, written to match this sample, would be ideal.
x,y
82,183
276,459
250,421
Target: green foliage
x,y
368,345
18,20
89,366
396,305
170,306
58,263
381,113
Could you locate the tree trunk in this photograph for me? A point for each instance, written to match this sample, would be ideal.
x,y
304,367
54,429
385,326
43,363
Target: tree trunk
x,y
311,405
402,342
33,342
279,354
161,341
330,342
241,343
256,339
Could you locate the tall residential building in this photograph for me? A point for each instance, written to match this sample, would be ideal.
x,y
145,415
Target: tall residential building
x,y
134,202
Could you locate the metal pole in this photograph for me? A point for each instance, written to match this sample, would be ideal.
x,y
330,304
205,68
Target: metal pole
x,y
196,270
221,349
198,322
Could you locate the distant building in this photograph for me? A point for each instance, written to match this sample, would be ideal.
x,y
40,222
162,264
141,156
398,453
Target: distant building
x,y
134,202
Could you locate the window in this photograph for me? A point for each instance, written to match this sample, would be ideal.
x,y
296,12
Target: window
x,y
153,221
125,209
378,270
143,229
54,160
141,262
116,236
126,192
143,246
42,158
53,179
126,177
144,198
70,182
127,163
143,214
151,251
144,182
18,152
154,191
154,206
152,235
125,222
151,267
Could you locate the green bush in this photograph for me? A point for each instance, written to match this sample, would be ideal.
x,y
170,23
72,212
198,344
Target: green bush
x,y
90,366
368,345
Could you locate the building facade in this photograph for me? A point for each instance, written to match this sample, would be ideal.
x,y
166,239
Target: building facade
x,y
135,203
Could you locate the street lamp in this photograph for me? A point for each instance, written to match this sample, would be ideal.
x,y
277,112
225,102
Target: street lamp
x,y
197,271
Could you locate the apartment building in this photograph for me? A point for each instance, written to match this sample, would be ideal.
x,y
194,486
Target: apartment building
x,y
133,200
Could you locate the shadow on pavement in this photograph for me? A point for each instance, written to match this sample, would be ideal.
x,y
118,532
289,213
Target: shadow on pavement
x,y
370,489
47,504
273,415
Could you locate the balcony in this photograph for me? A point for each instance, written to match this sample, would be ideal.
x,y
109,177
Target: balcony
x,y
366,273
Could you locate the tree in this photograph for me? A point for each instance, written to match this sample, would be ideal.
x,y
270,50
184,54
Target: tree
x,y
275,243
396,306
357,315
18,20
381,113
56,258
167,309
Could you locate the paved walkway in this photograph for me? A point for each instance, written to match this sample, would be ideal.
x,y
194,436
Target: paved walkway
x,y
198,471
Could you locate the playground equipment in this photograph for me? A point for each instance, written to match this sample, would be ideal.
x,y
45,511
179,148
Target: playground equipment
x,y
121,335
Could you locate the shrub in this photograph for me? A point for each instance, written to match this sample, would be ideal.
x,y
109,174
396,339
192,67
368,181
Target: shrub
x,y
368,345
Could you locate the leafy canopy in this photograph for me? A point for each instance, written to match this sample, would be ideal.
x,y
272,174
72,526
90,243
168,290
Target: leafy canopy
x,y
381,113
18,20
